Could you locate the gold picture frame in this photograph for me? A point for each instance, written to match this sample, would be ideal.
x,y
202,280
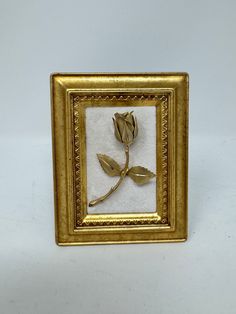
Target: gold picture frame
x,y
71,94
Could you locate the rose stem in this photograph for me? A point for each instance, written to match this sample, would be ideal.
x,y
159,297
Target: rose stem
x,y
115,187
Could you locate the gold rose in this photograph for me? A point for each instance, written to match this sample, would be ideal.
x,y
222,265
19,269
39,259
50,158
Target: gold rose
x,y
126,130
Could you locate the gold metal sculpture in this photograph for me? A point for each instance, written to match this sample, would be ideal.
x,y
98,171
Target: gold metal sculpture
x,y
126,130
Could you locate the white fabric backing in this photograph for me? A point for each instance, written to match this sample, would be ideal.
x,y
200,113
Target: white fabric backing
x,y
100,138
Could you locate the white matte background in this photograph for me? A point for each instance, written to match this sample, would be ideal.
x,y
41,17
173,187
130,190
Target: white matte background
x,y
100,138
40,37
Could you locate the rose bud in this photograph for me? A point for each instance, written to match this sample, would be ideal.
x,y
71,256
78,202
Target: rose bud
x,y
126,127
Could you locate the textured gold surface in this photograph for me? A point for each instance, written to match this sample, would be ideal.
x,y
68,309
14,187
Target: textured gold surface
x,y
71,95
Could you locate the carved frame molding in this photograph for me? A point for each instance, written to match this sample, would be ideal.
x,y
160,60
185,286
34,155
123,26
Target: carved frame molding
x,y
71,94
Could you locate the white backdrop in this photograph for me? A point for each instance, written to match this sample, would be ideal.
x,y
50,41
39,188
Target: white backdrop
x,y
100,138
40,37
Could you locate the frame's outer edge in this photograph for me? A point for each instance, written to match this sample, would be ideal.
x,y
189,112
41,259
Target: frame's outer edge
x,y
182,103
60,83
185,124
58,94
54,153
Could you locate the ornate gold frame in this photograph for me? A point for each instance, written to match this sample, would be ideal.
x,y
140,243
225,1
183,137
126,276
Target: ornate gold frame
x,y
70,95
